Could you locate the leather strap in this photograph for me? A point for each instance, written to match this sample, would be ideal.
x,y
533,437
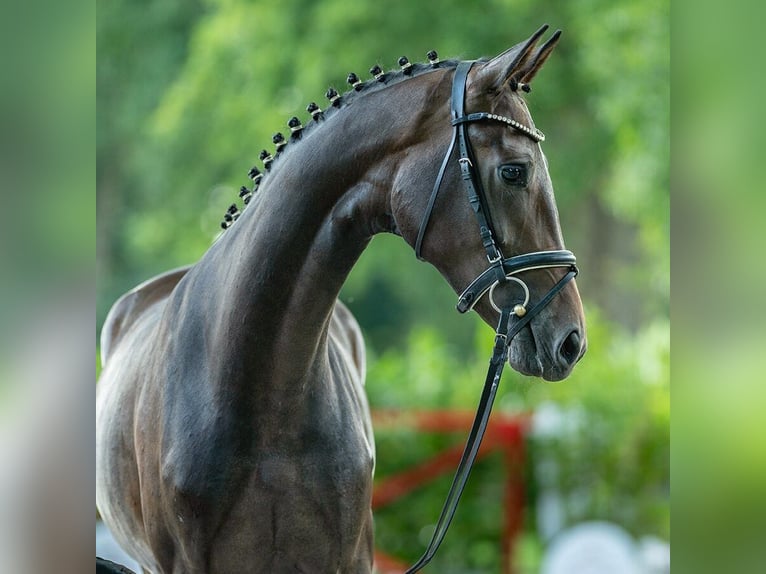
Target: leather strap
x,y
473,187
527,262
491,384
506,330
499,270
472,184
432,199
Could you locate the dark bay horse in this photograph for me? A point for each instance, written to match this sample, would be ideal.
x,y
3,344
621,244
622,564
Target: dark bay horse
x,y
233,431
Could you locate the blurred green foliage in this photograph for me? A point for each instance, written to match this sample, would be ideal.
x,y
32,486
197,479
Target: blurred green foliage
x,y
47,133
719,396
606,454
190,91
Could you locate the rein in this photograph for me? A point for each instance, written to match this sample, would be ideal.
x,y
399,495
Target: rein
x,y
500,271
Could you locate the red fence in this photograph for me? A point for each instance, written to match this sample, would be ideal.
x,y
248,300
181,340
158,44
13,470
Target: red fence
x,y
504,434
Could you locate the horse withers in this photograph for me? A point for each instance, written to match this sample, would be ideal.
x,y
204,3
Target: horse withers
x,y
233,431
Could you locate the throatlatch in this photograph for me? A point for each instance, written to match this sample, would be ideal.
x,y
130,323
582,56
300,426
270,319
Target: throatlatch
x,y
514,317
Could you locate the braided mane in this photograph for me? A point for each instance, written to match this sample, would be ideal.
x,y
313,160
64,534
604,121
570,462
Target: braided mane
x,y
380,80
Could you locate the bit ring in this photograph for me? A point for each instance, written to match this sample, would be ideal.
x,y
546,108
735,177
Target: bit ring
x,y
519,310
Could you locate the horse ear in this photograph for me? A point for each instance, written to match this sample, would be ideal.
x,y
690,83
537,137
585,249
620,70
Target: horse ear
x,y
514,63
533,65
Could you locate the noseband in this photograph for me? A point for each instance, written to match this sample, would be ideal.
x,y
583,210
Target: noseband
x,y
500,270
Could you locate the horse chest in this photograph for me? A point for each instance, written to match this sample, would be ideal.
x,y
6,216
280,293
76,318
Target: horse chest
x,y
300,494
324,457
307,507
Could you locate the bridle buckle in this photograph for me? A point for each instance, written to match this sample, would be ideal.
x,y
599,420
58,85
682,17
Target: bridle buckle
x,y
496,259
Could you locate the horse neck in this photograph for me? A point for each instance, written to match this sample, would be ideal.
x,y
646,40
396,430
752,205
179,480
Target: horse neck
x,y
280,267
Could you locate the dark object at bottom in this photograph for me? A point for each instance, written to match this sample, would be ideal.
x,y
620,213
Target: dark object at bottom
x,y
109,567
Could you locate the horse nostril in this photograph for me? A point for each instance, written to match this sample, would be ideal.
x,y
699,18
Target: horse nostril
x,y
570,348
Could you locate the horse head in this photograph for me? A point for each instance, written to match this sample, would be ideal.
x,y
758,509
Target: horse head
x,y
514,202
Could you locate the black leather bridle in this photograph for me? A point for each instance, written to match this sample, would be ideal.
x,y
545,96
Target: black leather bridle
x,y
500,270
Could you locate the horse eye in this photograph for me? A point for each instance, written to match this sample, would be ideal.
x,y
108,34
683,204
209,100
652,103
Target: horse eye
x,y
514,174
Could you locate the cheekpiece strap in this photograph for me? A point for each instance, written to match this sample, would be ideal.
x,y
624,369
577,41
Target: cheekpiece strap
x,y
510,322
473,187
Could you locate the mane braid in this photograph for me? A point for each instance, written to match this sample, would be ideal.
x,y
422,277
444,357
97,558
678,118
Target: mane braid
x,y
358,89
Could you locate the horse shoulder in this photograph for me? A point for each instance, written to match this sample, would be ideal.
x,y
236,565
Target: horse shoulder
x,y
134,304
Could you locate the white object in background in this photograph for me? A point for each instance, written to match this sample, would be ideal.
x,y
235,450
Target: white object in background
x,y
550,513
592,548
655,555
550,421
107,547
